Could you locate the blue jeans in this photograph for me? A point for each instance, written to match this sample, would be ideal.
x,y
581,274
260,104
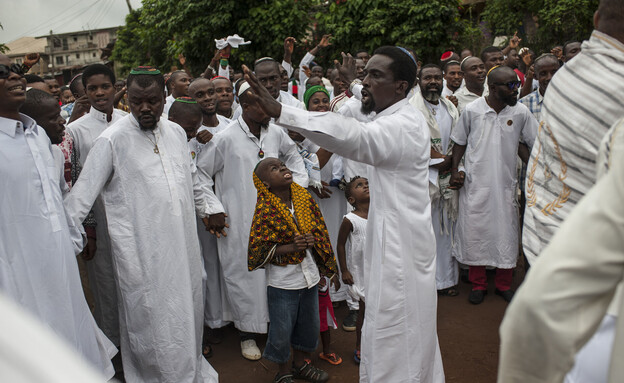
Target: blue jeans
x,y
294,316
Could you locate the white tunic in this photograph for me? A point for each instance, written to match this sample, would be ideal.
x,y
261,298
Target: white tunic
x,y
355,254
38,268
227,162
399,338
168,102
487,223
84,131
215,302
21,334
149,199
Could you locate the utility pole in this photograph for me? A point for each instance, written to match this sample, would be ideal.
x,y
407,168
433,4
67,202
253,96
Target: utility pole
x,y
129,6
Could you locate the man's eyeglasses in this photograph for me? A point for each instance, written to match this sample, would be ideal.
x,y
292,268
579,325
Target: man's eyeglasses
x,y
512,85
5,70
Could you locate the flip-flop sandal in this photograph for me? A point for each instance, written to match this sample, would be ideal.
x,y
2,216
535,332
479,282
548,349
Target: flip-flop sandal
x,y
356,356
448,292
332,358
207,351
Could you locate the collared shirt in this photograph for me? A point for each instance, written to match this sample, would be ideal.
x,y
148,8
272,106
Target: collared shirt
x,y
338,101
168,102
487,223
87,128
534,101
465,97
304,275
25,135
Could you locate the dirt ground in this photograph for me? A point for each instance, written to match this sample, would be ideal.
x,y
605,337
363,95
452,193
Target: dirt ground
x,y
468,338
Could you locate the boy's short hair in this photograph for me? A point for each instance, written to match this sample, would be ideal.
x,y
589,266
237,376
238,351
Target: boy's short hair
x,y
95,69
349,186
34,99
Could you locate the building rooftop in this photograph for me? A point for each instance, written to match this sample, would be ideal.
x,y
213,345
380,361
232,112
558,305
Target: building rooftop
x,y
79,32
25,45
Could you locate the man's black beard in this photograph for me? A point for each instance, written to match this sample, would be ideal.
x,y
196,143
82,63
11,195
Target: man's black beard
x,y
367,109
433,96
510,100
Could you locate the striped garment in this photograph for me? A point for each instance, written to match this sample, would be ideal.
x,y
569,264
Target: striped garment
x,y
584,99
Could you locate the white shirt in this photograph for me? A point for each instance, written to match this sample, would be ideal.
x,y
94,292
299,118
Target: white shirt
x,y
304,275
487,223
87,128
168,102
465,97
38,267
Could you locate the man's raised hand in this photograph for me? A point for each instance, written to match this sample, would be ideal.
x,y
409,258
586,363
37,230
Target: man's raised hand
x,y
262,96
325,41
346,70
289,46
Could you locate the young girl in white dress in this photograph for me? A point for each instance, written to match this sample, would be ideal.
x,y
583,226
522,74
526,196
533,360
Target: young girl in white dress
x,y
351,259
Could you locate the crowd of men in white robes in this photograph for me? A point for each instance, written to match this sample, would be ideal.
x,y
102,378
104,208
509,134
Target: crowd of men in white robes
x,y
141,207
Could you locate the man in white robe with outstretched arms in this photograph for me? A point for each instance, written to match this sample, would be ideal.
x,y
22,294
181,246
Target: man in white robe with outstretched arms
x,y
227,162
399,338
38,268
142,169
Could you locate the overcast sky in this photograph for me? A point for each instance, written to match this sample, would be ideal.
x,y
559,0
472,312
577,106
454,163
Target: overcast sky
x,y
36,17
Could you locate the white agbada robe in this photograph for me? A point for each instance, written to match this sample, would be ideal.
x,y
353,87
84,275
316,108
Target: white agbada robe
x,y
399,338
38,268
149,200
487,223
215,302
21,334
84,131
227,162
441,118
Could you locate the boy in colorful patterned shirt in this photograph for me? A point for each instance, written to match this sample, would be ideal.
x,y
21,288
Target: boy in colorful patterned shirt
x,y
289,238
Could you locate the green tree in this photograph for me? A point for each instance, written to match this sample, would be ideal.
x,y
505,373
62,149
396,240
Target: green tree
x,y
139,44
162,29
428,27
3,47
557,21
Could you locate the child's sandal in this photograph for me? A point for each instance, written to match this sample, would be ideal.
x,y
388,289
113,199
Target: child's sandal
x,y
331,357
286,378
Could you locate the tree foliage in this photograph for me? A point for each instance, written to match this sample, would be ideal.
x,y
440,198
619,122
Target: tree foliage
x,y
3,47
557,21
427,27
162,29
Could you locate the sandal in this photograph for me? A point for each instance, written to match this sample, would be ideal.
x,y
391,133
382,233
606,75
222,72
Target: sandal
x,y
310,373
356,356
206,351
331,357
448,292
286,378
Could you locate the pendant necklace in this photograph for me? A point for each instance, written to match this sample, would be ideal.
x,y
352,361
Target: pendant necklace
x,y
260,152
155,143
